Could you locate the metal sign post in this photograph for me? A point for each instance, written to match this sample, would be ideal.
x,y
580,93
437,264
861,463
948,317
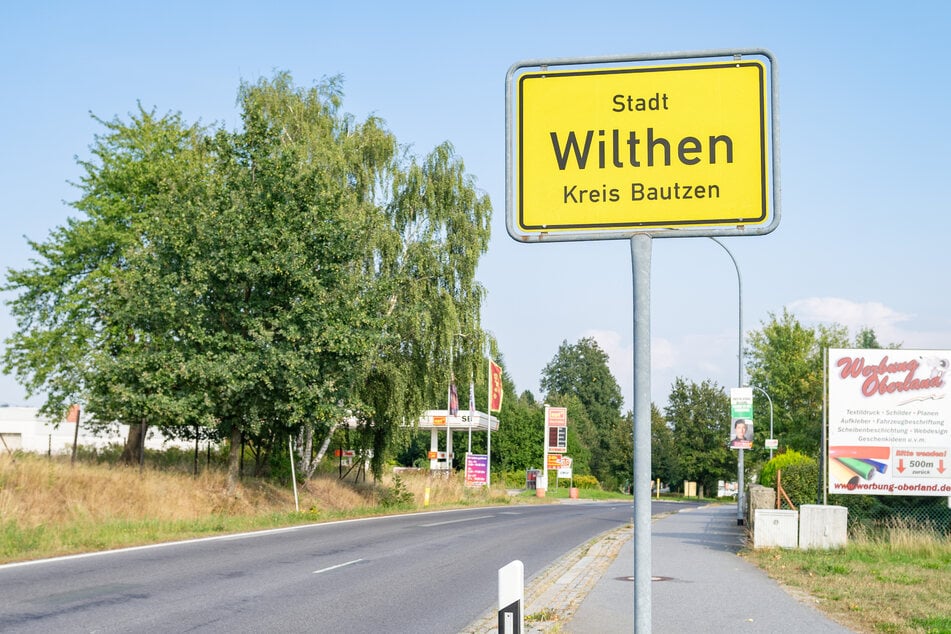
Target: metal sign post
x,y
641,147
641,263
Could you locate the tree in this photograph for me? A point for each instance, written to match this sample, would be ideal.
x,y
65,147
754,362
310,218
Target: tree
x,y
64,310
784,358
440,225
619,455
664,455
699,416
258,282
581,370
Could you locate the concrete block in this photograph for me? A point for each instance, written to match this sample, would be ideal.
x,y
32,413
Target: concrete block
x,y
823,527
759,497
773,528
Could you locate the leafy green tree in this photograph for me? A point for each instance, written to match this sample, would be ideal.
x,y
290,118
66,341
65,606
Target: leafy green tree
x,y
65,306
665,464
619,456
257,282
517,444
699,417
440,224
784,358
581,370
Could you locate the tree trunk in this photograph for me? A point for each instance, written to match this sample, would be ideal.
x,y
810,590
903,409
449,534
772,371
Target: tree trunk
x,y
305,446
133,444
234,460
323,449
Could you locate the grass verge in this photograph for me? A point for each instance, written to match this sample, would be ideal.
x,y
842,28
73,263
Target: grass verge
x,y
50,508
894,582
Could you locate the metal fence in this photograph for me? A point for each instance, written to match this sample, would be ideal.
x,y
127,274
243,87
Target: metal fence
x,y
880,514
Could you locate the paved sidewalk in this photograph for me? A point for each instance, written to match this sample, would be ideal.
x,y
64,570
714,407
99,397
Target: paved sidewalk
x,y
700,585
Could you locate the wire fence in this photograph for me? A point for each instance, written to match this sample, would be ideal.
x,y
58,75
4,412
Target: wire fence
x,y
880,514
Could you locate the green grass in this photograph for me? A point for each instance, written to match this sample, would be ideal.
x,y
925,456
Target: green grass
x,y
896,583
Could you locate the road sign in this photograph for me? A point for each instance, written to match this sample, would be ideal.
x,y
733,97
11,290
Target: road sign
x,y
606,150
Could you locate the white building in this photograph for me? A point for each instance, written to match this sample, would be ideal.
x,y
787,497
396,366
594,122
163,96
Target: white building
x,y
24,429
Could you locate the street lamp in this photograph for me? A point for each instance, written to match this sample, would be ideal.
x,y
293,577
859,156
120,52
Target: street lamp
x,y
739,380
452,380
452,375
770,416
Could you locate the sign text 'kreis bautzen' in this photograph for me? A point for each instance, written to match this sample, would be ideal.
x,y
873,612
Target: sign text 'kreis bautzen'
x,y
651,147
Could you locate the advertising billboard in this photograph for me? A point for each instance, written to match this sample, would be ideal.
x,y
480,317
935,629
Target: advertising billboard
x,y
889,422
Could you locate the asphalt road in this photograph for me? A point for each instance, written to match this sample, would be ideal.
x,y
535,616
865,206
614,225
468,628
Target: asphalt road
x,y
423,572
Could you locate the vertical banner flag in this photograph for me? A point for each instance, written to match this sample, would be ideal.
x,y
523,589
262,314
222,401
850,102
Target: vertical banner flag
x,y
471,402
495,387
453,400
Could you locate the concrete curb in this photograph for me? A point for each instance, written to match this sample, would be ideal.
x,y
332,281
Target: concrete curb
x,y
553,596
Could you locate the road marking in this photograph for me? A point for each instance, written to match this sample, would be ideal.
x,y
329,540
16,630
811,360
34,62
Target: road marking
x,y
328,569
467,519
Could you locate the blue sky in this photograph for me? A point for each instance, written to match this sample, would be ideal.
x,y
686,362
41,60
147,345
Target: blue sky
x,y
863,112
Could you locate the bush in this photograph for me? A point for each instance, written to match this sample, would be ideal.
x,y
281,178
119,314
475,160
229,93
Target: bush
x,y
800,477
586,482
514,479
396,496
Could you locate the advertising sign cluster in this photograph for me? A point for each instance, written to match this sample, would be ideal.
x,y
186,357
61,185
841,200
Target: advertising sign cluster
x,y
889,422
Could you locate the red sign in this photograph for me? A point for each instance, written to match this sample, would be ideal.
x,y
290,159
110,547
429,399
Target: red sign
x,y
557,461
495,387
558,439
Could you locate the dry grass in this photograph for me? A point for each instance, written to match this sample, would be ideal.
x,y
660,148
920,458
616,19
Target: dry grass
x,y
49,508
895,581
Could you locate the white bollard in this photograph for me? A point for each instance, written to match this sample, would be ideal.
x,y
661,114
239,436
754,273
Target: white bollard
x,y
511,597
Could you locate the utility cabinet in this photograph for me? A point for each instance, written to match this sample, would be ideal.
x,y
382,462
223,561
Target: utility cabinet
x,y
772,528
823,527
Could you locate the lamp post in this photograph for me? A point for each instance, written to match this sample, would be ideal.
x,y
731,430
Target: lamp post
x,y
452,380
740,489
452,376
770,416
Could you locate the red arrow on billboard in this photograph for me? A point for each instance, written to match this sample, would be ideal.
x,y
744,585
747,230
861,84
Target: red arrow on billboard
x,y
901,465
941,466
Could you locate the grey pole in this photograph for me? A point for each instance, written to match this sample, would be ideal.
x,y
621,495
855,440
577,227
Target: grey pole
x,y
641,262
740,488
770,416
